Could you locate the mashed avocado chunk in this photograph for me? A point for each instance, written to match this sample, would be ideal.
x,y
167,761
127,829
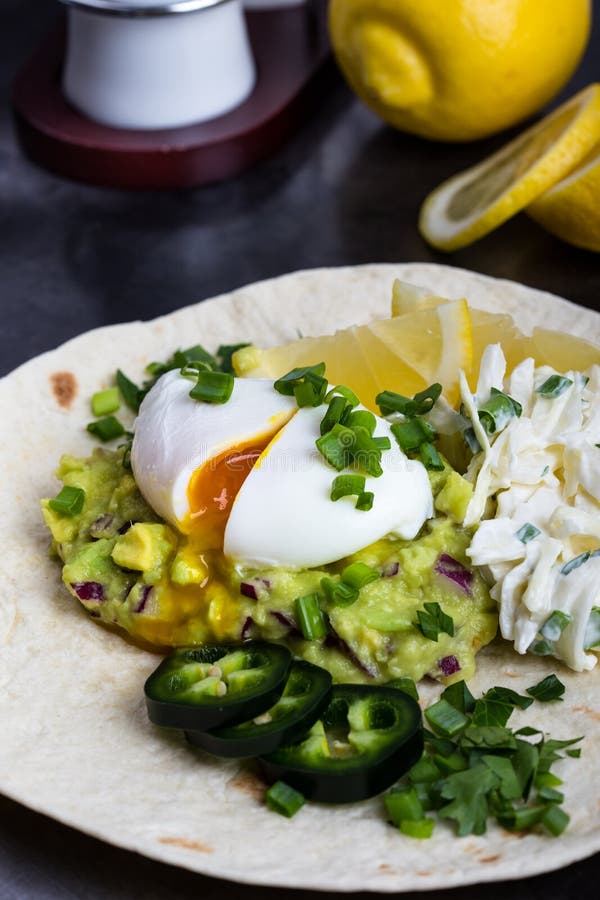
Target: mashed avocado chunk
x,y
130,569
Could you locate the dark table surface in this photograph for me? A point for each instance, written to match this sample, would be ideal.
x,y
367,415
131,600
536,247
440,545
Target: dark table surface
x,y
345,190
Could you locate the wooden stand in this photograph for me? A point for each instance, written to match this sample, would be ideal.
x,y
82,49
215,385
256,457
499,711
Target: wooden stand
x,y
291,48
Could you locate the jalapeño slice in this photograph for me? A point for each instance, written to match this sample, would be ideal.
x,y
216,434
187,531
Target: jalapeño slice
x,y
305,697
197,688
366,739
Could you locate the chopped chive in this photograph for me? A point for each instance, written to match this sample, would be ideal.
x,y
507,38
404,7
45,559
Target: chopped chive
x,y
403,804
213,387
554,386
555,624
69,501
541,648
105,402
389,402
225,356
407,686
338,593
358,575
365,500
498,411
410,435
548,689
522,818
527,533
335,411
575,563
106,429
337,446
471,440
424,771
361,417
445,719
283,799
592,630
157,369
286,384
551,795
192,370
347,486
430,458
130,392
344,392
310,617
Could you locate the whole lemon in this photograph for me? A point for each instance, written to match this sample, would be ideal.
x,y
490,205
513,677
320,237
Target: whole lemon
x,y
456,70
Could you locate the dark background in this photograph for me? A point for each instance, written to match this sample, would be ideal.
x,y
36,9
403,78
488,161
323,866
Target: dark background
x,y
345,190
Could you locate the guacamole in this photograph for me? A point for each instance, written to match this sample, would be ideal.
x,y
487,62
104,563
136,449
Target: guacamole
x,y
131,570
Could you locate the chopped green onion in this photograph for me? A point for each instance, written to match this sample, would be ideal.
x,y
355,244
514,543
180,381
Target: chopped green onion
x,y
555,819
426,400
421,829
366,453
225,356
106,429
424,771
522,818
69,501
310,617
382,443
389,402
283,799
338,593
105,402
365,500
433,620
410,435
130,392
403,804
527,533
549,688
551,795
575,563
555,624
498,411
311,391
445,719
344,392
406,685
195,354
592,630
286,384
347,486
361,417
335,411
213,387
337,446
359,574
157,368
193,369
430,458
554,386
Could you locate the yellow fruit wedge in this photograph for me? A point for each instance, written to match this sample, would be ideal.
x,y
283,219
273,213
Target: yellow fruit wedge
x,y
476,201
562,351
404,354
571,209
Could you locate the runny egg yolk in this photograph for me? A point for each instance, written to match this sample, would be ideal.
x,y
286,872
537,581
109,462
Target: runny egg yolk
x,y
212,489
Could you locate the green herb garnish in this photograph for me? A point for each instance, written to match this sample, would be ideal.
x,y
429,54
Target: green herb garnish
x,y
69,501
310,617
554,386
105,402
283,799
498,411
106,429
213,387
359,574
555,624
410,435
550,688
432,620
527,533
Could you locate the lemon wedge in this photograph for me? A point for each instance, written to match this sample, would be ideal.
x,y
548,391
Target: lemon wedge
x,y
404,354
571,209
471,204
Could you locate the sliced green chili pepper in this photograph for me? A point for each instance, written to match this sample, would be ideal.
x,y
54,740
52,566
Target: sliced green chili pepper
x,y
305,696
366,739
198,688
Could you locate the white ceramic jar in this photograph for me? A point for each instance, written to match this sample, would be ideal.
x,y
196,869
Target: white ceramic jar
x,y
151,64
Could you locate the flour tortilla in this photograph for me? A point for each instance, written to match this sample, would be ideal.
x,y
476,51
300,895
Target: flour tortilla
x,y
76,743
